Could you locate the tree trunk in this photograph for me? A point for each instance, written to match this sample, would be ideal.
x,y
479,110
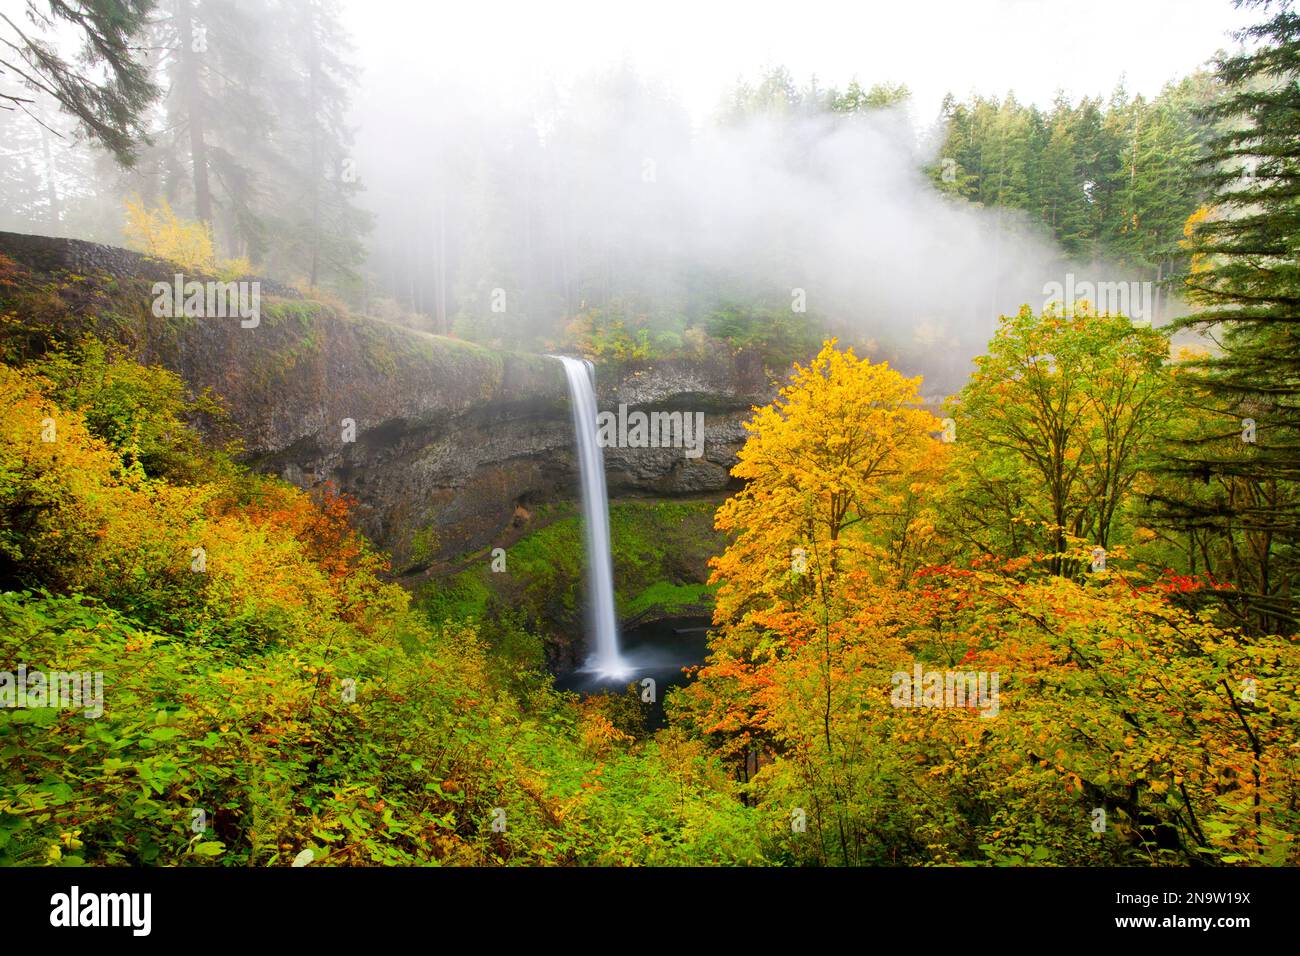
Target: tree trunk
x,y
313,70
189,60
51,187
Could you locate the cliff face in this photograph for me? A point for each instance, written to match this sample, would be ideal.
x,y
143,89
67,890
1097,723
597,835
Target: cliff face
x,y
443,460
439,440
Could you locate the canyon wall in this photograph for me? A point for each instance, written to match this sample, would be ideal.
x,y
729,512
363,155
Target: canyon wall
x,y
442,442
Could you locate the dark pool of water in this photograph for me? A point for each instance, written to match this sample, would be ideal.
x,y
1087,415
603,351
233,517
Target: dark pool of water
x,y
657,650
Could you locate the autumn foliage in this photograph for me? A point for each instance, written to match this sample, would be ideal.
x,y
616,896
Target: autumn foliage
x,y
1127,724
266,694
260,669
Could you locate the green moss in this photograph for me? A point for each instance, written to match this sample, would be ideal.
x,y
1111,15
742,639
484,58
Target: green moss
x,y
668,598
660,552
300,326
424,545
303,312
463,597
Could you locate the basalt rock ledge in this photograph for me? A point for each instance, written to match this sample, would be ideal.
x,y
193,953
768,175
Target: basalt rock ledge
x,y
442,442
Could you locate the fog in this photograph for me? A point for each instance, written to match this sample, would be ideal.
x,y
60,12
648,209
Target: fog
x,y
510,196
613,195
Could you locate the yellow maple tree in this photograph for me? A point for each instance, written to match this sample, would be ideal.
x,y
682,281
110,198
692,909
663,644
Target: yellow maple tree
x,y
826,467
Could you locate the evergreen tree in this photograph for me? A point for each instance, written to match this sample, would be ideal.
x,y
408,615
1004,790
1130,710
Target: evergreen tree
x,y
1110,181
213,64
318,227
30,198
1247,278
1063,201
111,108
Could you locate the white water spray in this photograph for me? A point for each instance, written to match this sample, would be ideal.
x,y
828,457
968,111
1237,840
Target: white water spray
x,y
606,659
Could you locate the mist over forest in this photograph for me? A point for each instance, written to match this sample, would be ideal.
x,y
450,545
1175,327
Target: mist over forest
x,y
586,434
600,203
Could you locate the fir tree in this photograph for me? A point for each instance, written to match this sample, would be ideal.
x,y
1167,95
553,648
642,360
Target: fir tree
x,y
1247,278
111,108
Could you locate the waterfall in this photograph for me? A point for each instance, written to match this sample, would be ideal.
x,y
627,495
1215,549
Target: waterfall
x,y
605,658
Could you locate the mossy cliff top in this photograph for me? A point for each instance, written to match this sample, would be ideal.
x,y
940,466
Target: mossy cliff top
x,y
294,375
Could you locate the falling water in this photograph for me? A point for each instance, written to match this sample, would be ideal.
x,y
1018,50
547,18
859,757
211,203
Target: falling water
x,y
605,659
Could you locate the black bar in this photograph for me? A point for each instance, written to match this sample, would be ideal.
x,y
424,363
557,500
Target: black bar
x,y
539,907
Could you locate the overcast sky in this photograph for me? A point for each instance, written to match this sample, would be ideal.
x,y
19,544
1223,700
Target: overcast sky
x,y
699,47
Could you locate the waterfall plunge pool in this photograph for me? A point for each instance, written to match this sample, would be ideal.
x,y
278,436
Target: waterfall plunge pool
x,y
657,650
